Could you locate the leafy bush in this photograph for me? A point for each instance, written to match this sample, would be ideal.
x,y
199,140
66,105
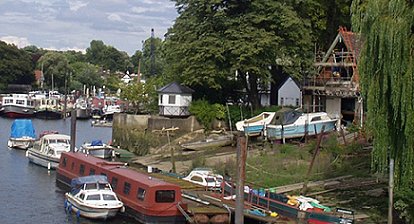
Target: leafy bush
x,y
206,112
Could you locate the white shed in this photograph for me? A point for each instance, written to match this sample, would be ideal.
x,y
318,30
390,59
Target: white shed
x,y
174,100
289,94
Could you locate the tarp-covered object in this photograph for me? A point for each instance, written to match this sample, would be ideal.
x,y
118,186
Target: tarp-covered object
x,y
96,143
285,117
22,128
88,179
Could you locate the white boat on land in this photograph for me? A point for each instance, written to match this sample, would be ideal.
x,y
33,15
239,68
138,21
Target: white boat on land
x,y
256,125
205,177
47,150
22,134
98,149
92,197
295,124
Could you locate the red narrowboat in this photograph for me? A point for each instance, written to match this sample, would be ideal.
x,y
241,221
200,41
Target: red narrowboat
x,y
147,199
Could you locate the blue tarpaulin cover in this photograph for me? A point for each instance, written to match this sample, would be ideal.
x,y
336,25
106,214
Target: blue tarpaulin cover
x,y
96,143
21,128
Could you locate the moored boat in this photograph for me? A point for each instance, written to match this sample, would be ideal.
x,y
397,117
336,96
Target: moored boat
x,y
295,124
256,125
92,197
83,110
17,106
22,134
147,199
98,149
47,150
48,108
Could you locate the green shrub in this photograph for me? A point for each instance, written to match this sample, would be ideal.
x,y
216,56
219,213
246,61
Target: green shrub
x,y
206,112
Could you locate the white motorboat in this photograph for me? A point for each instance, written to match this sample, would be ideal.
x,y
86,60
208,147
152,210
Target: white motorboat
x,y
22,134
92,197
98,149
256,125
205,177
47,150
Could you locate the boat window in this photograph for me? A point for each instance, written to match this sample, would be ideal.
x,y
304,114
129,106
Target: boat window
x,y
93,197
104,174
92,171
318,118
90,186
165,196
127,188
64,161
141,194
114,182
104,186
210,179
82,169
197,178
82,196
21,102
72,166
108,197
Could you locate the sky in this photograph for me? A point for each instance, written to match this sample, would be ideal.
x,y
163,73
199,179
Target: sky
x,y
73,24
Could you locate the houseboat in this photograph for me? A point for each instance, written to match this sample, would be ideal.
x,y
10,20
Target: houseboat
x,y
49,108
147,199
17,106
92,197
22,134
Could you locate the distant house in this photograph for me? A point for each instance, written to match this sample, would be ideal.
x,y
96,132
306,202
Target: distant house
x,y
126,79
289,94
174,100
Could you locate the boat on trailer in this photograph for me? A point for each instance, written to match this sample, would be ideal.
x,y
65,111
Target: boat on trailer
x,y
22,134
92,197
149,200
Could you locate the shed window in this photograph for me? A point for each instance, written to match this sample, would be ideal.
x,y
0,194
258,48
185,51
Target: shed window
x,y
297,102
165,196
127,188
171,99
82,169
161,98
141,194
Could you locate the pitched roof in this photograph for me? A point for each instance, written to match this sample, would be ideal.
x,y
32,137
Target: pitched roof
x,y
174,87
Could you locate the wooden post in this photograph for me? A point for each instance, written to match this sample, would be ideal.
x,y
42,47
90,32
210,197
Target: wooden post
x,y
73,131
172,153
391,191
241,171
305,183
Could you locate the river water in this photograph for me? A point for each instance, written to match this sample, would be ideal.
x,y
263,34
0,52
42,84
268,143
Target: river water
x,y
28,193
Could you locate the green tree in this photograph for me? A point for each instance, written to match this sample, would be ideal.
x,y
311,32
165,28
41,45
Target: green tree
x,y
107,57
15,66
143,97
55,70
136,61
386,68
85,74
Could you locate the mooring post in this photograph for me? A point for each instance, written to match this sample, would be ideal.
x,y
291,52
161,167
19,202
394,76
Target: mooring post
x,y
241,174
72,130
391,191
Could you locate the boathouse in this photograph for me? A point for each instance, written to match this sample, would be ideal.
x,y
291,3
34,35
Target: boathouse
x,y
174,100
335,87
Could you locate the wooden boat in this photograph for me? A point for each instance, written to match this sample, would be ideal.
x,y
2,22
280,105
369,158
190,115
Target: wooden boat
x,y
98,149
47,150
279,203
256,125
17,106
295,124
22,134
211,142
147,199
92,197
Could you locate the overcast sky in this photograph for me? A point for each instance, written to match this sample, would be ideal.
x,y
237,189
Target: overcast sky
x,y
73,24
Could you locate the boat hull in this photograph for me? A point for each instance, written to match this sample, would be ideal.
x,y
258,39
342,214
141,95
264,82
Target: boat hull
x,y
103,153
88,211
41,159
12,111
20,143
49,114
209,143
82,113
278,132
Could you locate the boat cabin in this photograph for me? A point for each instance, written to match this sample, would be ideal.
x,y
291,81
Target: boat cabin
x,y
146,198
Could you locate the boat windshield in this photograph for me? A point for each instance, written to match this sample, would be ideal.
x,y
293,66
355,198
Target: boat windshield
x,y
93,197
108,197
104,186
61,141
210,179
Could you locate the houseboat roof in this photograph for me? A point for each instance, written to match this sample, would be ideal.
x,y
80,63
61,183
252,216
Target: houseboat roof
x,y
120,169
174,87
